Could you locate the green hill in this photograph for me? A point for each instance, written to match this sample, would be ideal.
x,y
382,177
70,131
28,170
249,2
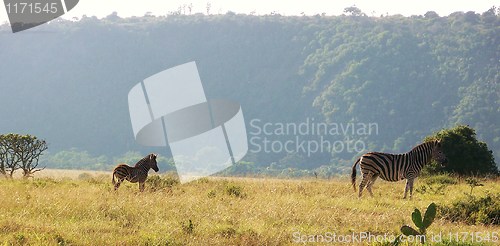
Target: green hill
x,y
67,82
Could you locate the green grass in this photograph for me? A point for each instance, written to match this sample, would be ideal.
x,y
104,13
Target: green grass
x,y
214,211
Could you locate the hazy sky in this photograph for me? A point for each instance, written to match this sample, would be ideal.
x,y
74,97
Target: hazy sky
x,y
125,8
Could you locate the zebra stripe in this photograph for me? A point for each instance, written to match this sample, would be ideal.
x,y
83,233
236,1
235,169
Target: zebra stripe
x,y
396,167
137,173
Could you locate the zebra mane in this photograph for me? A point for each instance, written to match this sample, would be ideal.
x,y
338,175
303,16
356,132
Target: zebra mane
x,y
143,160
422,153
431,144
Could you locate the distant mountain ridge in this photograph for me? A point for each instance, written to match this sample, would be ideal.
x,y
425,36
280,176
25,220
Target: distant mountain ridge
x,y
67,82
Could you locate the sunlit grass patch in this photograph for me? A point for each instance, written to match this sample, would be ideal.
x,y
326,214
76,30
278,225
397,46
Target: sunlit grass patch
x,y
215,211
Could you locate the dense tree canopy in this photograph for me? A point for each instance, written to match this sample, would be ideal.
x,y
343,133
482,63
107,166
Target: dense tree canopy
x,y
466,155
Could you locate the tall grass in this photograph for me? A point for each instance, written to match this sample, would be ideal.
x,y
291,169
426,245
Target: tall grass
x,y
210,211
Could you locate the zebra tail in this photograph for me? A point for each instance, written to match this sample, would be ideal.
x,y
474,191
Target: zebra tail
x,y
113,178
353,174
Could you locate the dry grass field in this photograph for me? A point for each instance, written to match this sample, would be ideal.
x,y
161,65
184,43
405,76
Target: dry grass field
x,y
71,208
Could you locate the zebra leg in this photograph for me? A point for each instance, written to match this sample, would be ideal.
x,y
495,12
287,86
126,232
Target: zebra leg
x,y
409,186
118,183
141,186
370,184
365,179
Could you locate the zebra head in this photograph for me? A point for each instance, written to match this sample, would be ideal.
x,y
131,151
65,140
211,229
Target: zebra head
x,y
438,154
152,162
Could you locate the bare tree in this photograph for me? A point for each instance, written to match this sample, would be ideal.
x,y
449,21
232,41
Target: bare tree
x,y
28,152
9,161
20,152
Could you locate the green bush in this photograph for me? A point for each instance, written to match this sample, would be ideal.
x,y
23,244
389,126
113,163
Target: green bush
x,y
484,210
466,155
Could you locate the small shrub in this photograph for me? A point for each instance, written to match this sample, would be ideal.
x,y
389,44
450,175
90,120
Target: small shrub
x,y
188,227
249,237
43,182
473,182
20,239
60,240
484,210
226,232
157,182
235,190
154,240
432,189
436,184
441,179
85,176
211,194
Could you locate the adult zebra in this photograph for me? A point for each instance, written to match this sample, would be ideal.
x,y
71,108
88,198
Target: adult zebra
x,y
137,173
395,167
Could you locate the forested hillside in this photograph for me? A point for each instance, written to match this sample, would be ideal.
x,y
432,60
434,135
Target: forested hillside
x,y
67,82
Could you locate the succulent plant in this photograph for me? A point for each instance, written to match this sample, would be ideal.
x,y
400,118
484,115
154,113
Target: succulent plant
x,y
421,224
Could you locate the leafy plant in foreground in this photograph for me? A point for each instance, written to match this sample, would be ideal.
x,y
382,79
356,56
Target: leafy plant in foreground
x,y
421,224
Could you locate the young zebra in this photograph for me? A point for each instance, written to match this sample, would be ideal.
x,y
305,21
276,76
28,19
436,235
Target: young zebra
x,y
138,173
395,167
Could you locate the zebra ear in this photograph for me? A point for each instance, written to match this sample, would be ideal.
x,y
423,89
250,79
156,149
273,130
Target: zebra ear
x,y
438,143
